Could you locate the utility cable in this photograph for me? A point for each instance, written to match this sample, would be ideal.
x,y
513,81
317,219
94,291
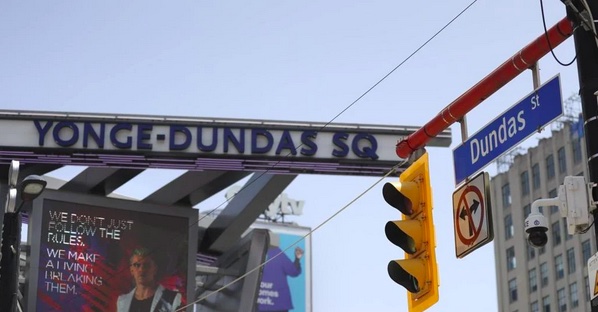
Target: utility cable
x,y
592,22
587,21
548,39
362,95
324,126
394,169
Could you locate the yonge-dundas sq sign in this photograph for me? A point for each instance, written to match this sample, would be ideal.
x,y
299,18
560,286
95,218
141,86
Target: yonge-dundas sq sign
x,y
201,143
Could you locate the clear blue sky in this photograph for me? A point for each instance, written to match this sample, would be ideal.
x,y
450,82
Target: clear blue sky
x,y
291,60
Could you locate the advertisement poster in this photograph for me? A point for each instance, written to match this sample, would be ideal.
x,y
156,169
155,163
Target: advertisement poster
x,y
286,279
94,258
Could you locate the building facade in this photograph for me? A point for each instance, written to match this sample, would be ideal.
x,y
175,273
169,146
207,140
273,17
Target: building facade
x,y
555,277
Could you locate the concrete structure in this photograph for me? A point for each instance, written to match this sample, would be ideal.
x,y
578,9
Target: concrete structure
x,y
553,278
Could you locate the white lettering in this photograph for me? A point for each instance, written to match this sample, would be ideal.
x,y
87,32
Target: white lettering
x,y
508,128
474,147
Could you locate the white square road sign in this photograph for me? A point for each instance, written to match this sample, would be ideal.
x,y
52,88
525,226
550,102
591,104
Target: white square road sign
x,y
472,216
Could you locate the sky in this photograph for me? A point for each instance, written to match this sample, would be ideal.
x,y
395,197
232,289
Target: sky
x,y
298,61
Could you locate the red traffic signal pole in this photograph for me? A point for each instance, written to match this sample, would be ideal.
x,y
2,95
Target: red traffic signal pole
x,y
506,72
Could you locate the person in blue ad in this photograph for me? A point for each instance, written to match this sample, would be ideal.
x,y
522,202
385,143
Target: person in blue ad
x,y
275,294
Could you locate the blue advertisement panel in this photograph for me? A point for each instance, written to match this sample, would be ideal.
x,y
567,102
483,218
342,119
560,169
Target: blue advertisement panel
x,y
286,277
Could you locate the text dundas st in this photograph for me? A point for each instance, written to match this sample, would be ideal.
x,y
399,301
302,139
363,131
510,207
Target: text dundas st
x,y
131,136
506,130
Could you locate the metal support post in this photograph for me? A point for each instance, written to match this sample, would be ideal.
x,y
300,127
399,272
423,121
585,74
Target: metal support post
x,y
9,280
586,49
536,75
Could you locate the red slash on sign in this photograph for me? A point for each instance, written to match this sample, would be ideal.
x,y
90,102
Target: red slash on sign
x,y
467,211
472,216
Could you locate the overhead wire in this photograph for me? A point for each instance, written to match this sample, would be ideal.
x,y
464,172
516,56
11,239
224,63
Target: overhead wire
x,y
359,97
329,122
592,21
394,169
591,25
587,228
548,39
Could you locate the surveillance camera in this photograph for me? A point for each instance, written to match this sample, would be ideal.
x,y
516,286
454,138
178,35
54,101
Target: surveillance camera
x,y
536,226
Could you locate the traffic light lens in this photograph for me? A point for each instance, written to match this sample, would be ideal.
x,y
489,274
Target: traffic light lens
x,y
401,277
400,238
396,199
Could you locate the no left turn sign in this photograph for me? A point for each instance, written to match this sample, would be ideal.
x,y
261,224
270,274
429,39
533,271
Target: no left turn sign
x,y
472,216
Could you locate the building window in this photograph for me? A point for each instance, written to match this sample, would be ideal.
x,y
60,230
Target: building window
x,y
559,269
586,252
509,228
534,307
576,146
513,290
511,260
544,274
546,304
531,252
524,183
533,280
573,295
527,209
506,196
561,300
556,233
562,160
536,176
570,261
552,194
550,166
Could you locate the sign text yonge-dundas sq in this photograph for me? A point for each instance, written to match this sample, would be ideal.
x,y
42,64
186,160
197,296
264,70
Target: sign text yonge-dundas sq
x,y
146,136
190,143
51,133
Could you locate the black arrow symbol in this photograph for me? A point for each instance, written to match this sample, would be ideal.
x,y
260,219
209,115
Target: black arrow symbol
x,y
472,210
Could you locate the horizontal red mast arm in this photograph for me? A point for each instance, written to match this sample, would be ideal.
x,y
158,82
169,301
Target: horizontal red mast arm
x,y
506,72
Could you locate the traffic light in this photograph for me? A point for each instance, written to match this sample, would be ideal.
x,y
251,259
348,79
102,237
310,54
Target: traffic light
x,y
418,272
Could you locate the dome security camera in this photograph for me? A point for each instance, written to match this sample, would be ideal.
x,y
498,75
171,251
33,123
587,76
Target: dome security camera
x,y
536,226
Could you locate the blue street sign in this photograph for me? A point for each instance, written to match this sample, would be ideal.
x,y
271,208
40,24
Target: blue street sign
x,y
532,113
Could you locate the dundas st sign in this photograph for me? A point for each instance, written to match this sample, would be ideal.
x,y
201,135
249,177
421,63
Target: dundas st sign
x,y
201,143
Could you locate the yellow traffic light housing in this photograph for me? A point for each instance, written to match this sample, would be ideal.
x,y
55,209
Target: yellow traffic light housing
x,y
418,272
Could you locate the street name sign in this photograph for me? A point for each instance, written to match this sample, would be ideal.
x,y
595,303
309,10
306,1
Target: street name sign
x,y
519,122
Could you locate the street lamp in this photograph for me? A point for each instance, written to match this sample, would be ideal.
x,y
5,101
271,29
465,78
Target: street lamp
x,y
30,188
27,190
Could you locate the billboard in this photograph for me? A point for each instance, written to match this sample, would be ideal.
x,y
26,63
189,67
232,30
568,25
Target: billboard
x,y
92,253
286,276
